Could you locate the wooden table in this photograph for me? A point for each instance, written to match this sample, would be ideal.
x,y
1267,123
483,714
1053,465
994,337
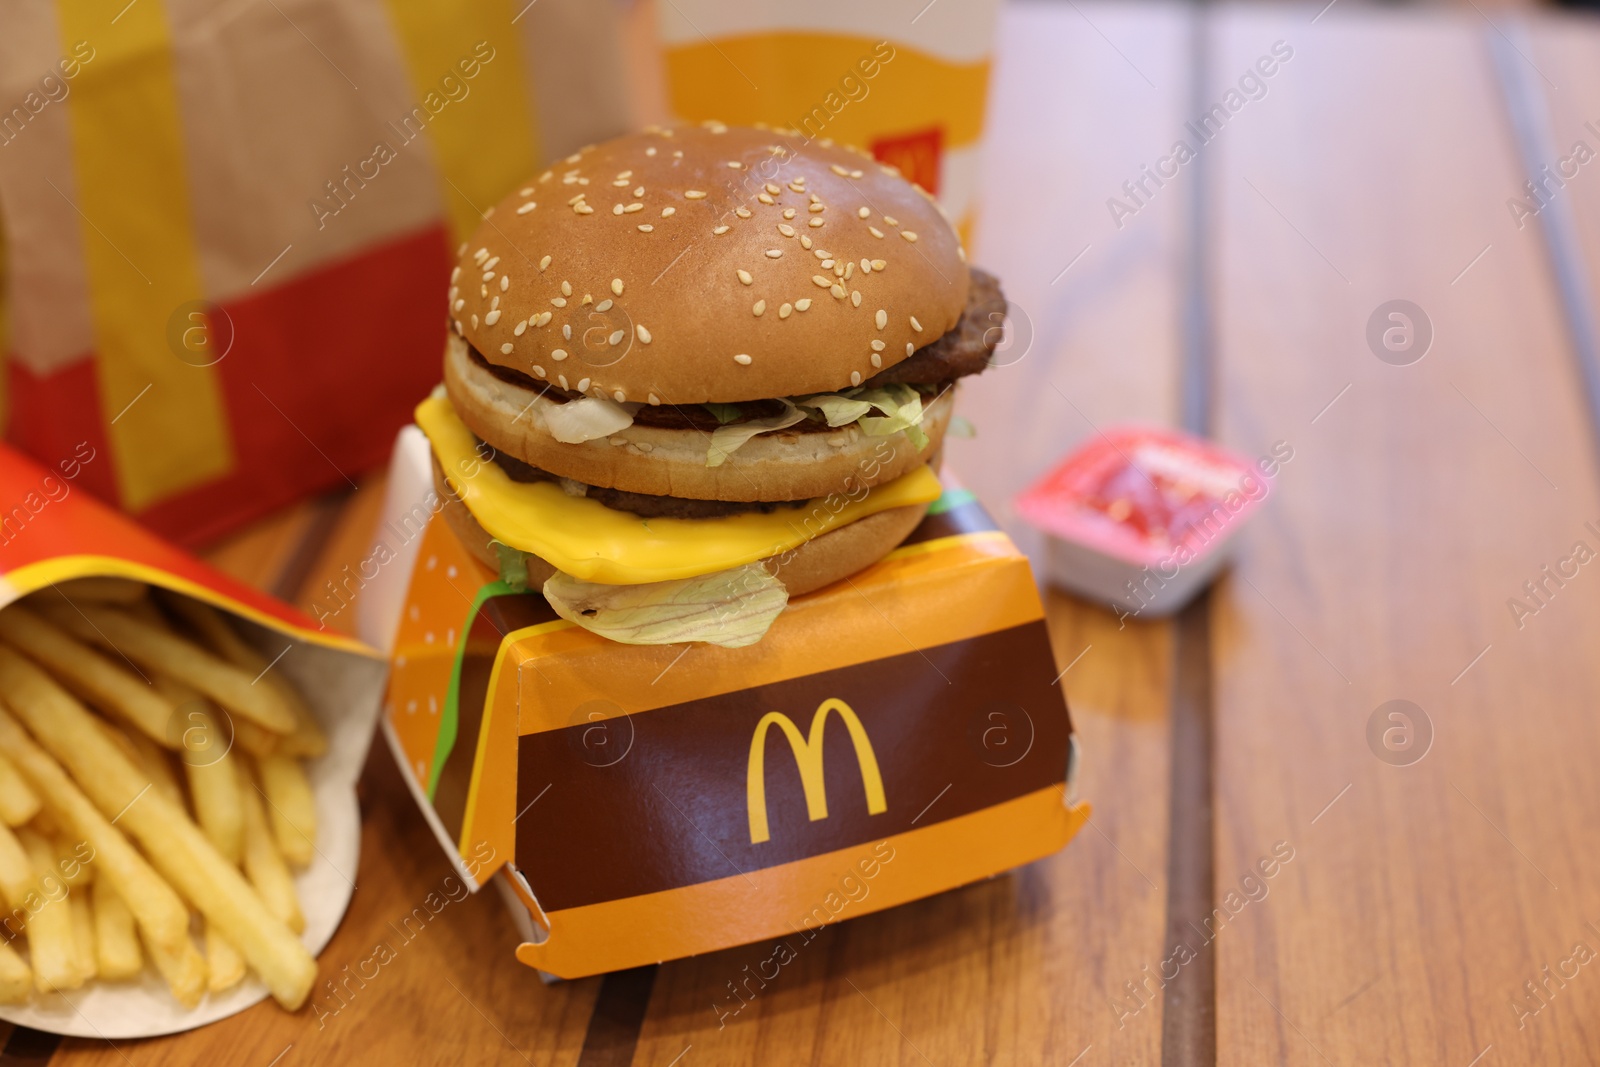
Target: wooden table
x,y
1412,901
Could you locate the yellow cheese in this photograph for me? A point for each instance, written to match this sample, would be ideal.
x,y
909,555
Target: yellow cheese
x,y
588,540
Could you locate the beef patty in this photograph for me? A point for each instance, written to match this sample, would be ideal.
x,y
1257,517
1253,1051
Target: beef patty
x,y
964,350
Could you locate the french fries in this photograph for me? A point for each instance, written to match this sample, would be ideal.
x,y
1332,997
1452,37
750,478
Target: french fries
x,y
158,650
159,910
18,802
176,846
291,809
104,681
264,864
107,848
117,952
52,938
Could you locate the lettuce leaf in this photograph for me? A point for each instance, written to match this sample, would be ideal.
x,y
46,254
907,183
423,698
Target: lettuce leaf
x,y
731,608
724,413
578,421
838,409
725,440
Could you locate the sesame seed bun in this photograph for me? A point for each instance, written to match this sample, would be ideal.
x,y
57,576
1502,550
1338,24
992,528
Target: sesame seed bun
x,y
659,267
821,561
672,462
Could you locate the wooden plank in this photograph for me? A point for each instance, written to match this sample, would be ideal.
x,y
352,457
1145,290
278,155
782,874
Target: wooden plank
x,y
1419,898
1031,966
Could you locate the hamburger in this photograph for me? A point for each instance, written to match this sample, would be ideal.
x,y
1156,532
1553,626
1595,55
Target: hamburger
x,y
698,370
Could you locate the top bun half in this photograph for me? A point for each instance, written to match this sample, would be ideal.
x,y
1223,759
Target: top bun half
x,y
671,266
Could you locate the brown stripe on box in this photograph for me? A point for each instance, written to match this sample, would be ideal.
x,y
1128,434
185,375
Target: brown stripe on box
x,y
663,799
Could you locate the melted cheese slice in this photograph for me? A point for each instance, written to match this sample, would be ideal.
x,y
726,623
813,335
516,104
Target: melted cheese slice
x,y
588,540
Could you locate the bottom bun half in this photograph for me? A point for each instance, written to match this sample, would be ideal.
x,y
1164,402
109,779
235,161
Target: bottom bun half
x,y
821,561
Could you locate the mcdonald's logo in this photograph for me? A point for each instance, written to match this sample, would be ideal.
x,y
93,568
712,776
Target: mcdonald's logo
x,y
808,758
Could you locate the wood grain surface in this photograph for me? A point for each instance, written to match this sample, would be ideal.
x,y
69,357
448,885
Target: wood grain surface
x,y
1424,902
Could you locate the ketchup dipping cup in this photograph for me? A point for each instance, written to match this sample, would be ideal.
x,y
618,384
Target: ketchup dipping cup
x,y
1140,518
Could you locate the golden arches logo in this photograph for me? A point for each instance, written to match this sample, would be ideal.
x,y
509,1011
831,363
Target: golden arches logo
x,y
808,758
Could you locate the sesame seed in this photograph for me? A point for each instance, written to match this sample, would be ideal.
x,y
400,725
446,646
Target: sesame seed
x,y
562,378
668,212
742,212
505,349
765,199
877,360
798,185
650,151
875,232
543,263
646,228
855,174
840,171
909,348
474,320
863,213
641,333
815,223
785,311
882,319
491,264
454,274
744,276
915,325
525,208
877,346
559,301
654,400
891,220
558,354
821,282
805,242
827,264
774,253
583,385
544,319
742,359
720,230
838,292
838,270
815,199
616,286
866,266
625,174
849,269
773,189
487,275
566,331
604,305
693,194
583,209
817,206
786,229
505,282
879,264
855,377
616,337
631,208
566,288
803,304
855,297
908,235
460,303
521,327
587,299
539,371
526,190
638,190
759,308
483,290
788,212
480,255
577,199
616,209
492,318
822,253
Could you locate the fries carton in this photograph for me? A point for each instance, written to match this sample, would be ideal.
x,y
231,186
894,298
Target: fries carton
x,y
890,737
53,532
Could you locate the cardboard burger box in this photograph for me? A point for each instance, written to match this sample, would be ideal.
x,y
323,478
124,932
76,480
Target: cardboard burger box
x,y
890,737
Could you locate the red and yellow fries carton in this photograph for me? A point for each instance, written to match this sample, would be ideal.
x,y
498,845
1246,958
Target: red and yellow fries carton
x,y
890,737
52,532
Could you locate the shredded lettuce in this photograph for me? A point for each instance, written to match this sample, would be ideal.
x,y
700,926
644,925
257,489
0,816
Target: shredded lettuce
x,y
902,410
725,440
724,413
838,409
513,566
582,420
731,608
